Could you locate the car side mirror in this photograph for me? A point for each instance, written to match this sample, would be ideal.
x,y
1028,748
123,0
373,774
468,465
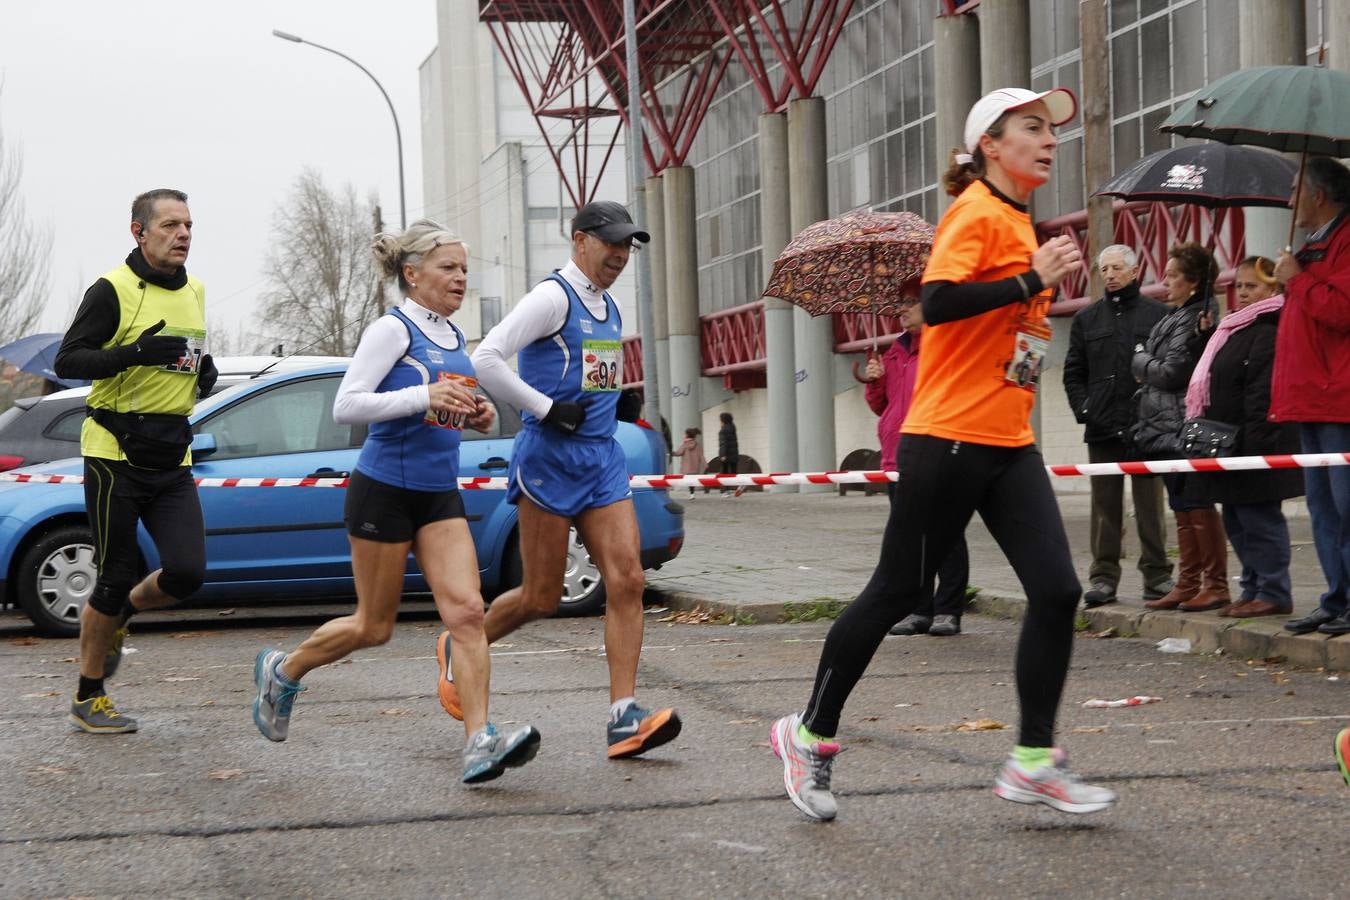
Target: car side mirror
x,y
203,445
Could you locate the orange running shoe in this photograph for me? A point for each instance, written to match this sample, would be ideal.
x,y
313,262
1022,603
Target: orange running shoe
x,y
639,730
445,683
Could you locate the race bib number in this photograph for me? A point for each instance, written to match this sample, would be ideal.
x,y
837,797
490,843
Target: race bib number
x,y
454,421
601,363
190,362
1031,343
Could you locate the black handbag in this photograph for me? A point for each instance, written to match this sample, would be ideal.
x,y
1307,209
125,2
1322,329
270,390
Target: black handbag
x,y
1207,438
149,440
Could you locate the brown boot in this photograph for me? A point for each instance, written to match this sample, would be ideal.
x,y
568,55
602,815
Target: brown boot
x,y
1188,567
1213,543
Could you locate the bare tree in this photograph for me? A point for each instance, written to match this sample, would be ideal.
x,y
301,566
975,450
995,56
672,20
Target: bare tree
x,y
323,285
25,253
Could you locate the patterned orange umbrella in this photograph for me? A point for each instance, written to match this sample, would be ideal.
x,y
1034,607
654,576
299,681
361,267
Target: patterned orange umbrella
x,y
859,262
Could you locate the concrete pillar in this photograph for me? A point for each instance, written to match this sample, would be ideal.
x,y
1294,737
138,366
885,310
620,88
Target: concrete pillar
x,y
656,261
956,58
813,338
682,298
1005,59
1270,33
1096,113
1337,37
775,229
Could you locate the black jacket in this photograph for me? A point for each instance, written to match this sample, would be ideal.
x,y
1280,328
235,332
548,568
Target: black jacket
x,y
1163,368
1239,394
726,442
1097,374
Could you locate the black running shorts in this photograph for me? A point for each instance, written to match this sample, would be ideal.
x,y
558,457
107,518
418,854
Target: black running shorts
x,y
376,511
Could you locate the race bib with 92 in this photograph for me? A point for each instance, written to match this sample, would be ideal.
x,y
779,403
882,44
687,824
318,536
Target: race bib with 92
x,y
453,421
600,365
189,362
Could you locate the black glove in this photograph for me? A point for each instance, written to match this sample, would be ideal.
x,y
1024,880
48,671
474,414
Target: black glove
x,y
629,408
565,416
153,348
207,373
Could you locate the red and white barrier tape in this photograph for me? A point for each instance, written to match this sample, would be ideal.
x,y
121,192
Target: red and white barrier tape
x,y
498,483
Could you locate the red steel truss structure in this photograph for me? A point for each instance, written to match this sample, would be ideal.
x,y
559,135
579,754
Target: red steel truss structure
x,y
759,34
568,58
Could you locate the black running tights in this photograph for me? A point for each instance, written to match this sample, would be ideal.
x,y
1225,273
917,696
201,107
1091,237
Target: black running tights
x,y
942,483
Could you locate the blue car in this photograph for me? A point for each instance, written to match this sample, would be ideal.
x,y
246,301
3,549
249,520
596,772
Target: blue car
x,y
270,543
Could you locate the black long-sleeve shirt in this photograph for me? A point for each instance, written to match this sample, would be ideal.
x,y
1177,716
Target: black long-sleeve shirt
x,y
82,354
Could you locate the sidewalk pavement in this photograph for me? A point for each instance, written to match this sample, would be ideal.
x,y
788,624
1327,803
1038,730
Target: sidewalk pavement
x,y
768,557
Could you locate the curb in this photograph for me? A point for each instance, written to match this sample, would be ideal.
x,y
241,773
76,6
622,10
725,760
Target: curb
x,y
1241,638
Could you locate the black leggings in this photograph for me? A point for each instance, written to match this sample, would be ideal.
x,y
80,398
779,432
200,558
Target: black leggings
x,y
117,496
941,484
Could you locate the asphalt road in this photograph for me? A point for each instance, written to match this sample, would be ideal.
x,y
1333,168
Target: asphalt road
x,y
1227,786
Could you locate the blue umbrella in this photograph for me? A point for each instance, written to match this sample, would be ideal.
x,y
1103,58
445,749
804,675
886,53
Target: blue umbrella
x,y
37,354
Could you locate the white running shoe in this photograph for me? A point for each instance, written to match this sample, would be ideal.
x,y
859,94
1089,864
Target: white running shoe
x,y
806,768
1054,785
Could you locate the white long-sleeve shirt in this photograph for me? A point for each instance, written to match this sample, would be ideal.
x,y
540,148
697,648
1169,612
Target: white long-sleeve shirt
x,y
382,345
539,314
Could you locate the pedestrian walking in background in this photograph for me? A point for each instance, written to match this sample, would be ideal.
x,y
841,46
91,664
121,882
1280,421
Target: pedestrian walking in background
x,y
1101,392
1231,384
1311,381
729,452
889,391
691,457
968,446
1163,364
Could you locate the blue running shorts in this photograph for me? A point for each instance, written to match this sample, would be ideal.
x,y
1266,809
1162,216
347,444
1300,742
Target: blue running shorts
x,y
567,476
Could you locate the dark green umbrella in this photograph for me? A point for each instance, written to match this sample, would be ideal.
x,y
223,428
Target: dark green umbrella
x,y
1295,109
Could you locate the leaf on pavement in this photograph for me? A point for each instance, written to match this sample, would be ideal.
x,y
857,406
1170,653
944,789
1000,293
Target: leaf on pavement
x,y
172,679
41,694
744,722
1090,729
184,635
225,774
397,711
24,641
980,725
50,770
1108,633
225,612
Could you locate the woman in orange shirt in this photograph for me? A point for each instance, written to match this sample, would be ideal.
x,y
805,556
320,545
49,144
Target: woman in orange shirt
x,y
969,447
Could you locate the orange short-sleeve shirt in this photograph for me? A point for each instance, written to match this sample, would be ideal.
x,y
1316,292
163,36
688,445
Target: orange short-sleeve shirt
x,y
963,391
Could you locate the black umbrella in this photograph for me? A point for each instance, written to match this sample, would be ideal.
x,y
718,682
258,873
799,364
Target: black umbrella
x,y
1213,175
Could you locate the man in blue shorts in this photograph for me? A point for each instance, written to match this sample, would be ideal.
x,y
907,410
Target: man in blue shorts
x,y
567,468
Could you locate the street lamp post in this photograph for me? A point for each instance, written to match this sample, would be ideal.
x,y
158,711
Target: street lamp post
x,y
398,133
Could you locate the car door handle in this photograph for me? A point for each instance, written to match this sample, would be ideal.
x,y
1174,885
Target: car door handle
x,y
494,462
329,473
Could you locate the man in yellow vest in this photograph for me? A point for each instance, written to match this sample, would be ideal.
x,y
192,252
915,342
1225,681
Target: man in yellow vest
x,y
139,334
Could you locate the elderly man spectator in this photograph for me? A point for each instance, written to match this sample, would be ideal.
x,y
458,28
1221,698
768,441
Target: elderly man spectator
x,y
1100,387
1311,381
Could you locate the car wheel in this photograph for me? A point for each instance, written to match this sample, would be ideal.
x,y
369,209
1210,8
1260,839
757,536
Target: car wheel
x,y
55,579
583,588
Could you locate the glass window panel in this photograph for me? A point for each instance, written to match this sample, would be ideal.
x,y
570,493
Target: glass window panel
x,y
1154,140
1069,168
1125,144
876,106
1123,12
872,31
925,25
891,40
1149,7
1071,77
895,164
930,156
1066,27
1188,68
895,105
910,15
862,175
877,176
1155,71
1042,82
1042,38
911,85
914,167
853,43
1125,73
927,89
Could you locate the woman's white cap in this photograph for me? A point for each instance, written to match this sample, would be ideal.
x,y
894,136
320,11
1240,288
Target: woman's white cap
x,y
1061,102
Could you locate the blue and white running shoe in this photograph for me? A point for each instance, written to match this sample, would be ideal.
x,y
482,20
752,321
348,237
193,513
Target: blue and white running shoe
x,y
489,754
272,706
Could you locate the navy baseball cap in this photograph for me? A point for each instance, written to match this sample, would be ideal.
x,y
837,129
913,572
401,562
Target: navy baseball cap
x,y
608,221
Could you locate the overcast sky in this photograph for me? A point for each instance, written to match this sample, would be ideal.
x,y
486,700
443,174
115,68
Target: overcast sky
x,y
110,99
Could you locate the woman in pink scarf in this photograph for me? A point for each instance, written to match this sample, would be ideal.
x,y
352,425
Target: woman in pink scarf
x,y
1231,384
